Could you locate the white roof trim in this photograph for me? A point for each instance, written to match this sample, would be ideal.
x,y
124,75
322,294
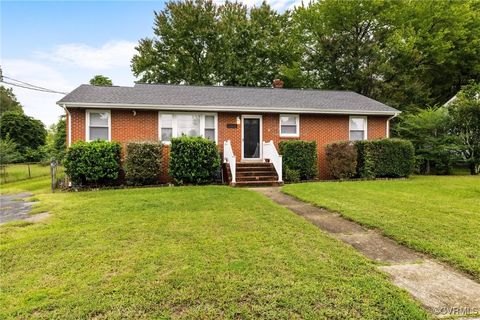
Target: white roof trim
x,y
237,109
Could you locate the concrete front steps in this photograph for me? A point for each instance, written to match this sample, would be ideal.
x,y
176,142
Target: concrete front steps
x,y
250,174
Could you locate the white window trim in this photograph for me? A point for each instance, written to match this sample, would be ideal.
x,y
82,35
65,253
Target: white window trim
x,y
365,128
87,123
174,124
289,135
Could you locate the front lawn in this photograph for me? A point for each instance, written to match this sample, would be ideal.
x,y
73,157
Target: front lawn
x,y
189,252
433,214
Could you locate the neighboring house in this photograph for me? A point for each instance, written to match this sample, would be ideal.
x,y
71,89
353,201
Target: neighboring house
x,y
242,121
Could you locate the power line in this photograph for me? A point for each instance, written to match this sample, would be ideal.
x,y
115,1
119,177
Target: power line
x,y
29,86
25,87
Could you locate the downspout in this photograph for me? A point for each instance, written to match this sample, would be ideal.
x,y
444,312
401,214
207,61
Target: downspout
x,y
69,118
388,124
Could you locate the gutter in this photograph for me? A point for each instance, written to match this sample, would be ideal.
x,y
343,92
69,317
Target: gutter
x,y
69,120
227,109
388,123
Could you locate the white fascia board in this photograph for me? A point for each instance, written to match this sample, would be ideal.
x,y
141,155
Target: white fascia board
x,y
236,109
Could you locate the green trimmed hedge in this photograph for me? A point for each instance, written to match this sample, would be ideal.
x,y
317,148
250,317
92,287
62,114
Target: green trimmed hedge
x,y
299,159
341,159
143,163
96,162
193,160
365,159
385,158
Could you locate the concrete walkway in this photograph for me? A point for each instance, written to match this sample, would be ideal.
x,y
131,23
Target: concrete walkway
x,y
440,289
13,207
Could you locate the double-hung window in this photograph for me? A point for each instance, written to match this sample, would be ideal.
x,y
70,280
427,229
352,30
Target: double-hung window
x,y
358,128
289,125
166,127
98,125
188,124
210,132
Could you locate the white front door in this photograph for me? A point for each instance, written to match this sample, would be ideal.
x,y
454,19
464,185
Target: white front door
x,y
251,137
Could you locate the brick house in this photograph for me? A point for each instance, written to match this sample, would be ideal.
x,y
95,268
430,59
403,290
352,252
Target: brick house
x,y
246,123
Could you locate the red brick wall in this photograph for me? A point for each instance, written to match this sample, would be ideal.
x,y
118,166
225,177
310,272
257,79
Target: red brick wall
x,y
142,127
78,124
125,128
322,128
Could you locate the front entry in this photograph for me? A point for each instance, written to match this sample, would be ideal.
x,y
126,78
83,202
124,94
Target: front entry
x,y
251,137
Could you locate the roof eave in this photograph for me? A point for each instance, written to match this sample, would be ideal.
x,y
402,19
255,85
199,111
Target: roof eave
x,y
225,108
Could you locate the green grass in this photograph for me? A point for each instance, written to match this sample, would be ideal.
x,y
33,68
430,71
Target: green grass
x,y
17,172
187,252
34,185
432,214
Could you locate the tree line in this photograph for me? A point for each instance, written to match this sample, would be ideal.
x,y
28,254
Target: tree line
x,y
25,139
447,135
407,54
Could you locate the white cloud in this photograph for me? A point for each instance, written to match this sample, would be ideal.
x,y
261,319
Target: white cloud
x,y
34,72
59,72
108,56
40,105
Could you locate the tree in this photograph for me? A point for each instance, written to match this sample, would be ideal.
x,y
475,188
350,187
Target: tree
x,y
429,130
199,42
403,53
8,101
254,45
27,132
344,43
60,138
465,120
56,144
8,151
435,50
185,47
100,80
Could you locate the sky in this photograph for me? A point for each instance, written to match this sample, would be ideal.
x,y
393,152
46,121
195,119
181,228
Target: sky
x,y
60,45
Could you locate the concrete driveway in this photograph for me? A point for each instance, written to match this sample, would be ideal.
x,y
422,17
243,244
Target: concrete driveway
x,y
13,207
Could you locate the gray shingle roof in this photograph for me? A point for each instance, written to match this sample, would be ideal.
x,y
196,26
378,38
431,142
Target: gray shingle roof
x,y
209,98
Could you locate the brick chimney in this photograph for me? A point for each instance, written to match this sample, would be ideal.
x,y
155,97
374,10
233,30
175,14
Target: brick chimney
x,y
277,83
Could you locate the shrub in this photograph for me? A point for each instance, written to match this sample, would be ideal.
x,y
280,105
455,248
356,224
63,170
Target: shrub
x,y
365,162
193,160
292,175
8,151
393,158
95,162
341,159
385,158
300,156
35,155
143,163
